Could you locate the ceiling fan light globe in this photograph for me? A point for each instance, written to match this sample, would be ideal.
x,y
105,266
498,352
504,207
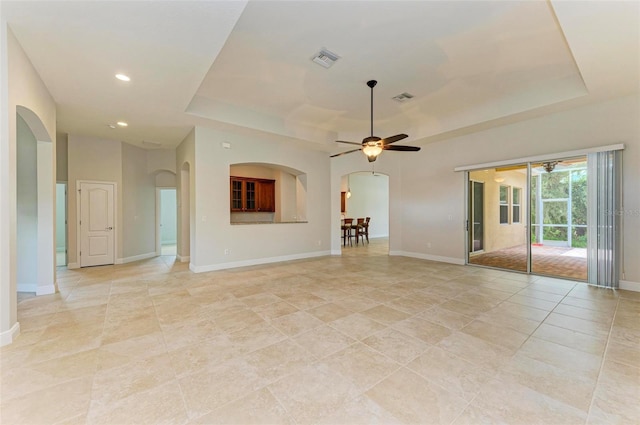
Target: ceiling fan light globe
x,y
372,150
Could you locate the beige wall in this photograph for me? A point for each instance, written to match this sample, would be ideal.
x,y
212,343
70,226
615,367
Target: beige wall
x,y
61,158
432,195
185,191
250,244
138,204
95,160
20,86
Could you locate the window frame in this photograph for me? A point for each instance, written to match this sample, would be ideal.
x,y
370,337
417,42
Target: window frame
x,y
516,218
504,204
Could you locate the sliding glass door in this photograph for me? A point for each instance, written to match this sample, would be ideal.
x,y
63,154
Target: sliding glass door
x,y
559,217
550,199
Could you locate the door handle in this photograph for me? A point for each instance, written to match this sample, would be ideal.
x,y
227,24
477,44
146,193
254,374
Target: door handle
x,y
108,228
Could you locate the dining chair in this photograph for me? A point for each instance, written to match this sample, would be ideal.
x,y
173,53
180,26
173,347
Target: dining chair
x,y
359,228
364,230
346,226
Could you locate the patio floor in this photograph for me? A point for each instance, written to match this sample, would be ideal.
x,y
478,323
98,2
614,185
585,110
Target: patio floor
x,y
546,260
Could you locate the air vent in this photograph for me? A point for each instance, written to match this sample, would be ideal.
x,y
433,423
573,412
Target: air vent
x,y
151,144
325,58
403,97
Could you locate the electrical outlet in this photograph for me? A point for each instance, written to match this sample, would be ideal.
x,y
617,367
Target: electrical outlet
x,y
226,251
319,243
428,244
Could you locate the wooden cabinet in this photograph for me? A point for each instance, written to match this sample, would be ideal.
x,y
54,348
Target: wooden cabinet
x,y
252,195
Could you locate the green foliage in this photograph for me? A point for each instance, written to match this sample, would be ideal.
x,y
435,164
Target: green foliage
x,y
579,196
554,233
556,186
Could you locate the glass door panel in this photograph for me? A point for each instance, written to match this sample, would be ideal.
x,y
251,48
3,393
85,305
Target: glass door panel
x,y
476,202
559,218
497,218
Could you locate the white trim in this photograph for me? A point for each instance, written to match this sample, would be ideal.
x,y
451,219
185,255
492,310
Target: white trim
x,y
538,158
45,290
7,337
183,259
630,286
158,218
450,260
135,258
72,266
257,261
27,287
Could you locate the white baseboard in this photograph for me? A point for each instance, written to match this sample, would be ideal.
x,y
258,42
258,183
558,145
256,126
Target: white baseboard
x,y
73,266
450,260
7,337
629,285
38,289
183,259
136,258
257,261
27,287
46,289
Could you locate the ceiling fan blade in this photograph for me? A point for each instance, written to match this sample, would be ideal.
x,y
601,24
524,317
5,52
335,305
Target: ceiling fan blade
x,y
393,139
401,148
350,143
344,153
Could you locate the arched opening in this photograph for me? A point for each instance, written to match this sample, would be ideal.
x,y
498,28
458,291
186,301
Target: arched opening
x,y
184,214
267,193
35,232
365,194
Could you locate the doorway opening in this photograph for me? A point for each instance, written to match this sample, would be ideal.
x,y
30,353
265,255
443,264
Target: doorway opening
x,y
365,194
550,199
61,224
167,219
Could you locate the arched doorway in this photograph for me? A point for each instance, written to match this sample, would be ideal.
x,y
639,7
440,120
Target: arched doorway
x,y
366,194
35,192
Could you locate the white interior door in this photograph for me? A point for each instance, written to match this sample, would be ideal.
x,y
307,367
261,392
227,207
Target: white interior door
x,y
96,224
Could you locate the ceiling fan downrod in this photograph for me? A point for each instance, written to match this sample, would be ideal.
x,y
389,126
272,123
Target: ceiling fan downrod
x,y
372,84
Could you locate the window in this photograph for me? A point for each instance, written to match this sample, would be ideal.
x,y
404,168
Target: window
x,y
515,205
504,204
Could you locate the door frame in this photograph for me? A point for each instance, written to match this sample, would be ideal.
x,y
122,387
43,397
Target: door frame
x,y
159,190
79,216
66,223
470,221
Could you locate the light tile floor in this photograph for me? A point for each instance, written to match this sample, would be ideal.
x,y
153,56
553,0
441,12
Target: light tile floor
x,y
359,339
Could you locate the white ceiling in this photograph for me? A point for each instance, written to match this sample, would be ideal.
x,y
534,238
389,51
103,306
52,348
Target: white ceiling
x,y
247,66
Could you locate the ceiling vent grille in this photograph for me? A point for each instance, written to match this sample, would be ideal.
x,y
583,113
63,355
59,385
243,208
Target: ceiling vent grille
x,y
325,58
403,97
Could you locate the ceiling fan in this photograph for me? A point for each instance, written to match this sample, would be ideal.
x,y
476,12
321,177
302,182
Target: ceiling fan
x,y
373,146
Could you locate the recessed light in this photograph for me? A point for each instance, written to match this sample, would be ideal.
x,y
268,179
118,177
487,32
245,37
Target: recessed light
x,y
123,77
111,126
122,123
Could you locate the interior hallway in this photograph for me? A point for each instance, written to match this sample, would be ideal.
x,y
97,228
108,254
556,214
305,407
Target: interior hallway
x,y
358,338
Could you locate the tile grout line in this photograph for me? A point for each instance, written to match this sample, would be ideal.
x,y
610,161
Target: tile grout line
x,y
604,357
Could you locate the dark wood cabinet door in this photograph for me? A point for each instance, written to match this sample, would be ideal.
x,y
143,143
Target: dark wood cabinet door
x,y
267,196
